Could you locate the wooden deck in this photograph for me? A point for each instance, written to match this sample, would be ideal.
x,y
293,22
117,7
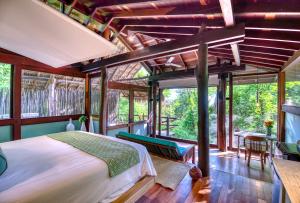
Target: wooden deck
x,y
230,181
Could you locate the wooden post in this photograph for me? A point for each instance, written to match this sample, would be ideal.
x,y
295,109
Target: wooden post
x,y
168,126
230,126
87,101
201,73
154,109
149,123
16,101
131,112
159,112
221,127
281,101
103,103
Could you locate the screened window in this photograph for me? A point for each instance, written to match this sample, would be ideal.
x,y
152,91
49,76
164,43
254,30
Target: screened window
x,y
140,106
118,107
95,96
5,90
45,94
252,105
180,113
293,86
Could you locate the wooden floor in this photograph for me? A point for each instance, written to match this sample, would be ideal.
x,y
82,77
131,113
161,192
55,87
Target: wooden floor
x,y
230,181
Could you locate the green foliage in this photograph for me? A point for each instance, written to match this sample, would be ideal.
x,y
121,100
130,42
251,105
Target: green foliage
x,y
250,114
5,75
82,119
293,92
141,73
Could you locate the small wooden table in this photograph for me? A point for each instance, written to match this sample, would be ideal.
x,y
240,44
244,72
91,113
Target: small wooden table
x,y
289,175
243,134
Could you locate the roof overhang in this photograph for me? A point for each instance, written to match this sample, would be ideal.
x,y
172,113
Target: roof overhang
x,y
35,30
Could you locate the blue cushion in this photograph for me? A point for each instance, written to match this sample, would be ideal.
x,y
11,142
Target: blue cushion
x,y
181,150
3,162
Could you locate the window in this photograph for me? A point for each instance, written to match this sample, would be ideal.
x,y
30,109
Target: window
x,y
252,105
45,94
5,90
118,107
140,106
180,113
95,96
292,85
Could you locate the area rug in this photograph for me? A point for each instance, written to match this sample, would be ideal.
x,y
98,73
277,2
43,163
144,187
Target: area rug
x,y
169,173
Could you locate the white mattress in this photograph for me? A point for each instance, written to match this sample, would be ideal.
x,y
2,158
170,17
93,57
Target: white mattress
x,y
44,170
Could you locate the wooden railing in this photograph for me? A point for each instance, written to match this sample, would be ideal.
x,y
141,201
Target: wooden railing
x,y
167,121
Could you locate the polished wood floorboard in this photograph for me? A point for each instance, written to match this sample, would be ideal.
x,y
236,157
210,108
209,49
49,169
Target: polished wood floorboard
x,y
231,180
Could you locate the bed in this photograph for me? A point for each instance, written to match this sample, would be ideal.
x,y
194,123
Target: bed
x,y
42,169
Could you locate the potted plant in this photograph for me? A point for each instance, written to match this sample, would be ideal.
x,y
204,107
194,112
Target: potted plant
x,y
269,125
82,120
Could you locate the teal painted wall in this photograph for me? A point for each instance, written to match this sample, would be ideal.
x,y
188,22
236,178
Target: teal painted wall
x,y
113,133
5,133
292,128
28,131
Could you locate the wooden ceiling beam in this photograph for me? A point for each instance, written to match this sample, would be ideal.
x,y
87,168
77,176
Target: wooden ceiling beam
x,y
227,11
213,69
271,44
212,37
293,60
251,54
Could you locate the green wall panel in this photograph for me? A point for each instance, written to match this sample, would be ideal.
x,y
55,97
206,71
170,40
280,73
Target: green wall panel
x,y
5,133
35,130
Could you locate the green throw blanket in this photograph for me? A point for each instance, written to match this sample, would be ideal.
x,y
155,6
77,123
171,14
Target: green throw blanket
x,y
118,156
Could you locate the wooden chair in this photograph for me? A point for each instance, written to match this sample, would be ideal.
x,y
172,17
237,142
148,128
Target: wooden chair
x,y
259,145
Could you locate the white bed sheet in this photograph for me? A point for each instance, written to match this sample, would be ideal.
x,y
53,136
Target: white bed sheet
x,y
42,169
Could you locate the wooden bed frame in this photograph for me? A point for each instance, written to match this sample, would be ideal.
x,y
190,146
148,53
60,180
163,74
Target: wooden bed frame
x,y
137,191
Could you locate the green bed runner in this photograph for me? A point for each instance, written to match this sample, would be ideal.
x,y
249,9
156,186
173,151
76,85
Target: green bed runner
x,y
118,156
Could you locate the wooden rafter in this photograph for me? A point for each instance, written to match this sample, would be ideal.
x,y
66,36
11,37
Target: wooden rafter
x,y
212,38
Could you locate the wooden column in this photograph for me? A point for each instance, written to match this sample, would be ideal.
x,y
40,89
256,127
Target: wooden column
x,y
87,101
221,117
16,101
103,103
131,112
281,101
201,73
154,108
150,99
159,111
230,126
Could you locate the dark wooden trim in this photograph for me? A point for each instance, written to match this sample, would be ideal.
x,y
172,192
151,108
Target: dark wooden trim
x,y
29,64
131,112
103,103
154,108
87,107
150,99
6,122
230,122
221,118
188,43
280,103
201,74
212,69
159,111
183,140
125,86
291,109
52,119
16,89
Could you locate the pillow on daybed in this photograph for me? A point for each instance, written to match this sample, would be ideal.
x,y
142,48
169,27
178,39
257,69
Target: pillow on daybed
x,y
3,162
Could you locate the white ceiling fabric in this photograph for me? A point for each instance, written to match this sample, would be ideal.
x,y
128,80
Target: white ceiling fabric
x,y
37,31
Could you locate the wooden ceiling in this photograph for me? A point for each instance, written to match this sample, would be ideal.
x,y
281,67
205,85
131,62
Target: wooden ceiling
x,y
272,28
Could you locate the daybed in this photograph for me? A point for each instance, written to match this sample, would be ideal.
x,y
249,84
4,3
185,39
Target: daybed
x,y
164,148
